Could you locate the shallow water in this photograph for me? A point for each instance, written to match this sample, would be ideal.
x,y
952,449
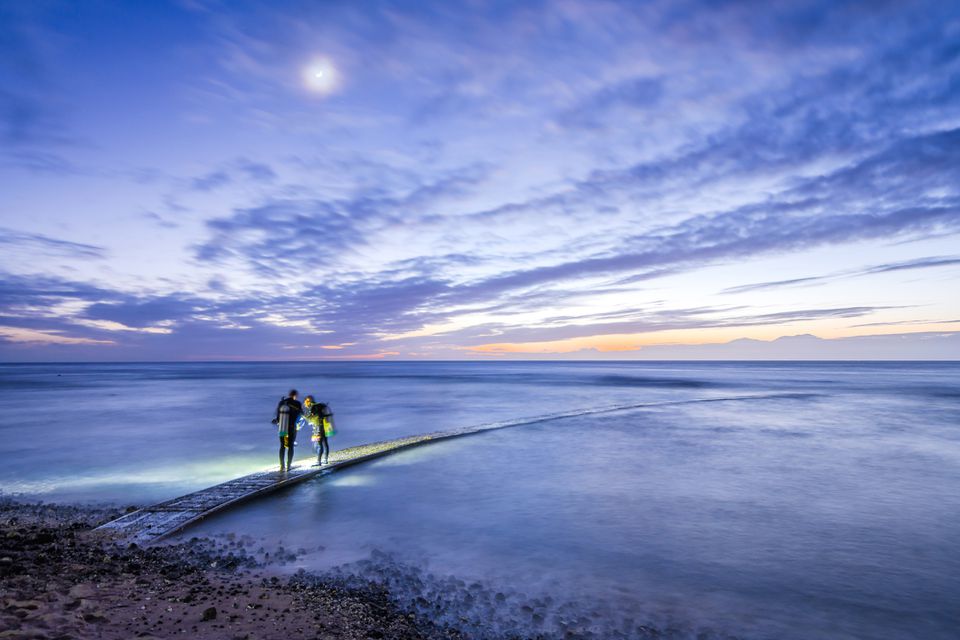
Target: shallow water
x,y
809,500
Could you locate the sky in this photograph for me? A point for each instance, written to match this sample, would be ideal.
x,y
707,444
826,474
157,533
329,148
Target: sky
x,y
577,179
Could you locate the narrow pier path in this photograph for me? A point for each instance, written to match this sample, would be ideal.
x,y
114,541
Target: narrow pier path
x,y
156,522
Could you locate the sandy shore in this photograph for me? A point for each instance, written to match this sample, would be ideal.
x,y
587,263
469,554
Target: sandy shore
x,y
61,579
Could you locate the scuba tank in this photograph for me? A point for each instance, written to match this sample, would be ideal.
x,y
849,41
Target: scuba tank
x,y
284,419
326,417
328,427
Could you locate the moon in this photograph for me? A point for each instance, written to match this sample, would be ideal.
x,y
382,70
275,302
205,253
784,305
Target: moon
x,y
320,76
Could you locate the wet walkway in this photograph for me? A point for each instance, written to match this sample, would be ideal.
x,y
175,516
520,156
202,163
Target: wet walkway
x,y
156,522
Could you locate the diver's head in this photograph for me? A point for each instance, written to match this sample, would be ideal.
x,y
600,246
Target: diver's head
x,y
292,394
308,401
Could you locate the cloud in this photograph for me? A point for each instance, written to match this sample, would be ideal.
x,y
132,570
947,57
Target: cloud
x,y
39,243
819,211
172,325
634,94
921,263
906,265
141,313
641,321
745,288
35,161
240,169
280,237
286,235
742,233
25,121
20,290
364,309
258,171
33,123
898,323
210,181
57,304
32,337
159,220
487,172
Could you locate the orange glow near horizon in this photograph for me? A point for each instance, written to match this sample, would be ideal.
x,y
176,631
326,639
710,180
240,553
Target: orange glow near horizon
x,y
690,337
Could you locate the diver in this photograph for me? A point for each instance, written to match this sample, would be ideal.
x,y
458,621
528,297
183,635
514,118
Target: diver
x,y
320,418
289,411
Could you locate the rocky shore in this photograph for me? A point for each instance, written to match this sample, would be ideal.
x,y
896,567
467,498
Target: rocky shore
x,y
61,579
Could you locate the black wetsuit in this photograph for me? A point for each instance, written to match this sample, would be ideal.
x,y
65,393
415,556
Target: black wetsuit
x,y
323,445
287,413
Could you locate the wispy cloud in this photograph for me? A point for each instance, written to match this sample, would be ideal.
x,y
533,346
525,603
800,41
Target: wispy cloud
x,y
33,122
210,181
45,338
241,169
902,323
921,263
292,234
600,107
43,244
515,173
646,321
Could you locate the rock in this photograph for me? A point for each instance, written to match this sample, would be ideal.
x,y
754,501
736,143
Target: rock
x,y
82,591
210,613
31,605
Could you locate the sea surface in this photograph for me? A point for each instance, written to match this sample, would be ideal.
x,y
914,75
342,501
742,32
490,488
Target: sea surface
x,y
747,500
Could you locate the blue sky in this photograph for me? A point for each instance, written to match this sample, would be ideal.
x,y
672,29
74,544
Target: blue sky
x,y
570,179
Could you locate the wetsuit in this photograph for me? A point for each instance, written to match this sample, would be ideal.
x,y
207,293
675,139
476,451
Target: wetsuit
x,y
287,413
322,445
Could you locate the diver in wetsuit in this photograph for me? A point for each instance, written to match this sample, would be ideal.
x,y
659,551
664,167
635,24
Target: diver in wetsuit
x,y
288,410
320,418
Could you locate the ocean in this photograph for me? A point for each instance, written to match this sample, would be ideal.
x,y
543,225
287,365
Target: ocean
x,y
748,500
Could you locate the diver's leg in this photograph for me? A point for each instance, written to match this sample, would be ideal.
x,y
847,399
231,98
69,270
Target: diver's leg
x,y
282,447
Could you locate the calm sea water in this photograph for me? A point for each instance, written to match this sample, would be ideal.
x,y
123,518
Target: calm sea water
x,y
810,500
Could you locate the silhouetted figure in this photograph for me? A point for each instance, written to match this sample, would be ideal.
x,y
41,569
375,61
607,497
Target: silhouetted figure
x,y
288,411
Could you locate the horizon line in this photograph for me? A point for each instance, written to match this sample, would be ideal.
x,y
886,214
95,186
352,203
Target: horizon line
x,y
517,360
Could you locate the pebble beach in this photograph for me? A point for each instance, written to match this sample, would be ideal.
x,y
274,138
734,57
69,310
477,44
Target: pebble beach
x,y
60,579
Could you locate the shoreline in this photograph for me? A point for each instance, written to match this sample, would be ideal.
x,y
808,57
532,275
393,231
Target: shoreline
x,y
61,579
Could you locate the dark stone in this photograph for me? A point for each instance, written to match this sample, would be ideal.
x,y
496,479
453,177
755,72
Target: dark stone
x,y
210,613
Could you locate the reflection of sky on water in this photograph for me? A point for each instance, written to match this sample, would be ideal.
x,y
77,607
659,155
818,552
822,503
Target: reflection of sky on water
x,y
766,515
833,509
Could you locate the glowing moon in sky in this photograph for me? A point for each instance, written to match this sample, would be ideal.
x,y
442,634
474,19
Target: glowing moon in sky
x,y
320,76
